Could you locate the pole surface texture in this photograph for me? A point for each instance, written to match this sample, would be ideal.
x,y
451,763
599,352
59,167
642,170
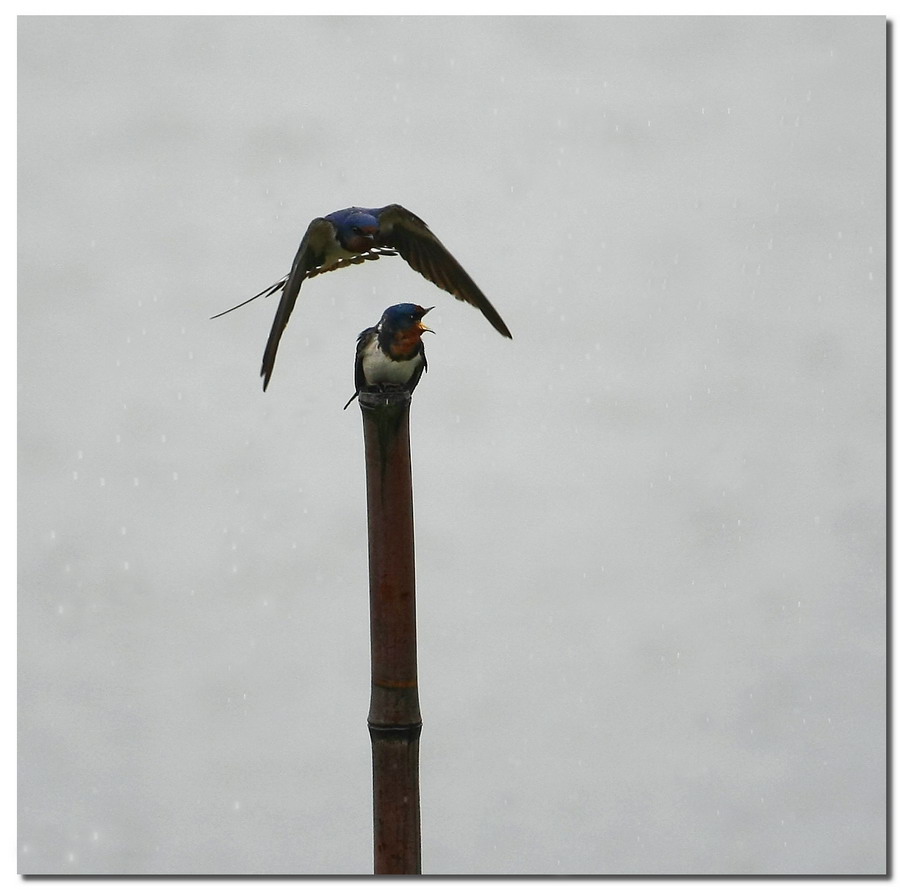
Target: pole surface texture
x,y
395,721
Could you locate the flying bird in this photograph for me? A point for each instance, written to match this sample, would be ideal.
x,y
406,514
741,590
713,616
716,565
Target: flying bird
x,y
391,355
354,235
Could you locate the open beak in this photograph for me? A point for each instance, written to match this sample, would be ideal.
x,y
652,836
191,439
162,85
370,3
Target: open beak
x,y
423,327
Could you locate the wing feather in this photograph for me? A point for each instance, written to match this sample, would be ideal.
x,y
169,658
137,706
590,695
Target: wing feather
x,y
310,254
424,252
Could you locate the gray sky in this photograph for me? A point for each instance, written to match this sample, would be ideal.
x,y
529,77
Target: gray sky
x,y
650,528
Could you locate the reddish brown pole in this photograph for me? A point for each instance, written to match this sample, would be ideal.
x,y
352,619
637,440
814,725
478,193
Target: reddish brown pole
x,y
395,722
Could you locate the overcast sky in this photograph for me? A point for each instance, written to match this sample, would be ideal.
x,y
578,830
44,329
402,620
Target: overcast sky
x,y
650,529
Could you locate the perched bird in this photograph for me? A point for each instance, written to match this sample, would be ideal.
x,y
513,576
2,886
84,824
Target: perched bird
x,y
391,355
354,235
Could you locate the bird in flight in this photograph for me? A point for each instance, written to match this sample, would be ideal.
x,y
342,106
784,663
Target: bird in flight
x,y
391,355
354,235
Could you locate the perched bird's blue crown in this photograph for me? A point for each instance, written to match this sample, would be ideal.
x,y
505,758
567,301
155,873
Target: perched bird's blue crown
x,y
402,315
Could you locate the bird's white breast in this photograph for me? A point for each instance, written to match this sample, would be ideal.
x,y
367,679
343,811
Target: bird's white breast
x,y
380,368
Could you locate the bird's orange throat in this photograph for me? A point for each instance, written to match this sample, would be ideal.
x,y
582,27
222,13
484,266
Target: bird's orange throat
x,y
406,342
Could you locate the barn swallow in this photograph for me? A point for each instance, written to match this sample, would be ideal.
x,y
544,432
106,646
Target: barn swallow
x,y
356,234
391,355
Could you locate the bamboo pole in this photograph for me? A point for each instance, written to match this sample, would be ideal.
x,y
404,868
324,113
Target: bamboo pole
x,y
395,722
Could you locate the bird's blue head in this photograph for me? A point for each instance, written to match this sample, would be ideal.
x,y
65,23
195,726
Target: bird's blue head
x,y
404,316
356,228
400,329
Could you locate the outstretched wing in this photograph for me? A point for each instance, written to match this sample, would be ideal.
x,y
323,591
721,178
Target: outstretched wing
x,y
311,253
420,247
